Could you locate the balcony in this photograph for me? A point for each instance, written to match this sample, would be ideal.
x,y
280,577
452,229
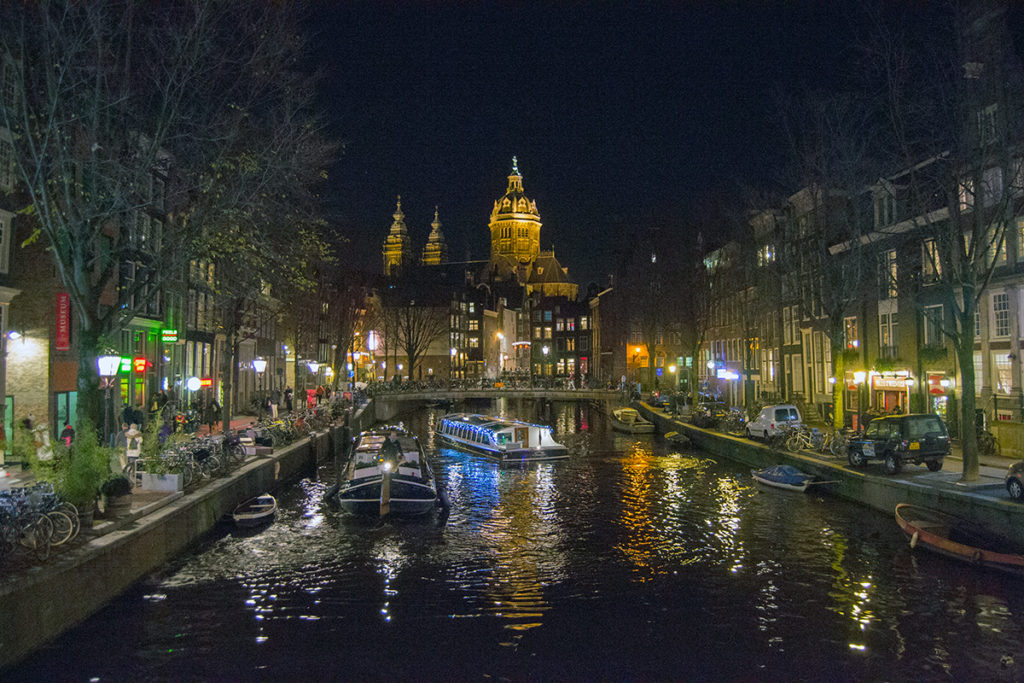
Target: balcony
x,y
888,352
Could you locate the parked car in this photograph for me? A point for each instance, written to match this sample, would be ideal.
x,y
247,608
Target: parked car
x,y
708,414
1015,481
899,439
658,399
772,419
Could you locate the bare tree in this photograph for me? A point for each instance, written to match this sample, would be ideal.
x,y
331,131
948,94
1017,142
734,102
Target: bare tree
x,y
956,121
831,140
125,122
346,294
694,306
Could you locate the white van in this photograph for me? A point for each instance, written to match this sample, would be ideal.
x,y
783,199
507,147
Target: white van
x,y
771,419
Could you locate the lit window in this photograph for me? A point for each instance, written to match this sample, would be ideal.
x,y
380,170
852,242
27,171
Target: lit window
x,y
1001,314
932,325
931,267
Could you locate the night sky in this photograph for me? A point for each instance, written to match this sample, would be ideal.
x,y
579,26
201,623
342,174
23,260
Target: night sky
x,y
622,117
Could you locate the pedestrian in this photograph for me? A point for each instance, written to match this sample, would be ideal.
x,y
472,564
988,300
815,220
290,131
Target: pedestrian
x,y
212,413
327,393
319,393
288,399
68,435
391,449
275,401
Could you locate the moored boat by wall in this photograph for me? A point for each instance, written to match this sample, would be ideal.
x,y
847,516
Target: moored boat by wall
x,y
959,539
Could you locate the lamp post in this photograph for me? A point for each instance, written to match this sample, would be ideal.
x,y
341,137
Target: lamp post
x,y
106,366
544,370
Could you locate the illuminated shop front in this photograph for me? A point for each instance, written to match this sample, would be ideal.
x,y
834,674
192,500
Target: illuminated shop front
x,y
891,391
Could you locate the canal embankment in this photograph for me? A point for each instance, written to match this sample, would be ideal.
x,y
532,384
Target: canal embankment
x,y
42,602
984,502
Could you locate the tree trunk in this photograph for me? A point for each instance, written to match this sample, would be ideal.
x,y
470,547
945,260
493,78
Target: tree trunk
x,y
968,430
91,399
228,364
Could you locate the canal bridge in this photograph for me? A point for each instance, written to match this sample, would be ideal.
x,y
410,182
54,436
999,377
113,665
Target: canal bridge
x,y
388,403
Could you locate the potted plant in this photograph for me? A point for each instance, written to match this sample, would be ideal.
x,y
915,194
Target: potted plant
x,y
155,474
82,469
117,496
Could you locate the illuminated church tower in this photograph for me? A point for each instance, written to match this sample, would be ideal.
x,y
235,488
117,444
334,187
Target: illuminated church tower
x,y
436,250
515,228
397,249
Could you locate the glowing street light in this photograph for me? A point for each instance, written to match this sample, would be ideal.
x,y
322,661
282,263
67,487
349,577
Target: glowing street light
x,y
106,366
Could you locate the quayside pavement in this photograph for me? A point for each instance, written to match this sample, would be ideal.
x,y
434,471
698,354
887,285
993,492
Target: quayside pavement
x,y
985,501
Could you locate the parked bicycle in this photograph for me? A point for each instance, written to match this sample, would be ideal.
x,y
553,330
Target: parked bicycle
x,y
988,444
23,524
734,422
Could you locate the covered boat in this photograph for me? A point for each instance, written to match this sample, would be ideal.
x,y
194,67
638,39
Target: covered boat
x,y
958,538
255,511
387,473
630,420
501,438
784,477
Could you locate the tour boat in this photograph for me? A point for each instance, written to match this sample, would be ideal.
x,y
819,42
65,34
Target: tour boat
x,y
630,420
504,439
381,482
959,539
255,511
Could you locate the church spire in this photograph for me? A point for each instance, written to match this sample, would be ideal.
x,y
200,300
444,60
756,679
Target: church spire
x,y
515,180
397,249
436,250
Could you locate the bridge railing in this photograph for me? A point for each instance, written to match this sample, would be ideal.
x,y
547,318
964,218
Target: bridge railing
x,y
538,384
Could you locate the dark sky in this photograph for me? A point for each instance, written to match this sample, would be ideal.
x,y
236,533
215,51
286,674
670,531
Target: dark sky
x,y
623,116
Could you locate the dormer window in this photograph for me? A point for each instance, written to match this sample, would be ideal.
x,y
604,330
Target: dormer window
x,y
885,209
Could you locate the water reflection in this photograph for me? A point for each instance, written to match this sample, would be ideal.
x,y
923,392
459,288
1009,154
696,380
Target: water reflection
x,y
632,559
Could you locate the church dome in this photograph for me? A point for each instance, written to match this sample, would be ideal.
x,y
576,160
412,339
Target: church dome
x,y
515,227
514,204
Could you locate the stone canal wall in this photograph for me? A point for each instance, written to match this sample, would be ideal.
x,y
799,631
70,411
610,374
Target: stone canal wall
x,y
984,504
42,603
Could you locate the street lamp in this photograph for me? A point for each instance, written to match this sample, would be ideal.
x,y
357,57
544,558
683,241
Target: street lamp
x,y
259,365
106,366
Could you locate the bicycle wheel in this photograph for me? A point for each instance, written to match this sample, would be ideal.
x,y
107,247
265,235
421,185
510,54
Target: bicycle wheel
x,y
63,527
212,466
36,532
72,512
235,454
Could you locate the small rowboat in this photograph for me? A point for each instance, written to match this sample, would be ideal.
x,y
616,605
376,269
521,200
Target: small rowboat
x,y
677,438
630,421
958,538
255,511
786,477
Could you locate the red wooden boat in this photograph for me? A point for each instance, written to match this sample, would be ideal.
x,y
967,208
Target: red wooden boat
x,y
958,538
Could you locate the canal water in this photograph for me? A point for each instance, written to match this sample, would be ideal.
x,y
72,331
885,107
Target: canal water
x,y
633,560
